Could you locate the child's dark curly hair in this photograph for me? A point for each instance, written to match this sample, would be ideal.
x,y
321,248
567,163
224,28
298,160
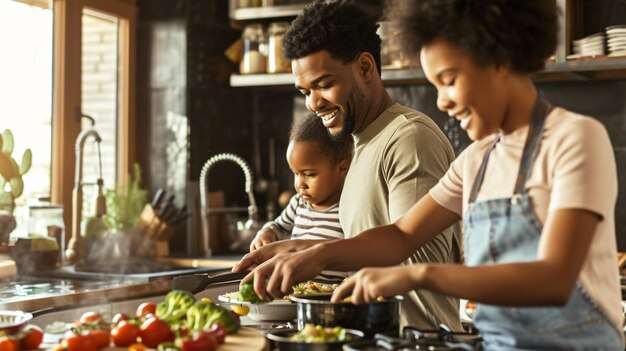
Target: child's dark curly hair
x,y
340,27
521,33
311,128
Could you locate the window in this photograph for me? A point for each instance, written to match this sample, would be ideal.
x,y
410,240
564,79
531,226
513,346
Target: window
x,y
26,87
70,58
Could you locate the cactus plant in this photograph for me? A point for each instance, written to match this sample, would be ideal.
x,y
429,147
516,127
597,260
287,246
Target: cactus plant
x,y
11,183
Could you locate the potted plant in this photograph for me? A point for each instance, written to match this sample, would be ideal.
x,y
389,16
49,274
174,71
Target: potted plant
x,y
11,183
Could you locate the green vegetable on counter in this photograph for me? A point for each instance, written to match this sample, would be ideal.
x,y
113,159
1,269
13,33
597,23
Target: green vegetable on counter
x,y
174,308
202,315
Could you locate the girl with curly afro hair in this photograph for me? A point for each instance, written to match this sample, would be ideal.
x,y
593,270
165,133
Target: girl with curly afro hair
x,y
536,190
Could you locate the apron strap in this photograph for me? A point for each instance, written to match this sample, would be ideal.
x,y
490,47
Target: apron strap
x,y
540,110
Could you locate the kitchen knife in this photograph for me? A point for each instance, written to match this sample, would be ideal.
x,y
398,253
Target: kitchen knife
x,y
158,197
166,208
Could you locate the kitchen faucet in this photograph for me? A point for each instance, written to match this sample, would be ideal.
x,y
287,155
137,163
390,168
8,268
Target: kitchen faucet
x,y
75,251
252,224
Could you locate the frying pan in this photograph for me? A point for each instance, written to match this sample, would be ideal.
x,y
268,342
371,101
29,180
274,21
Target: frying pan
x,y
281,338
376,317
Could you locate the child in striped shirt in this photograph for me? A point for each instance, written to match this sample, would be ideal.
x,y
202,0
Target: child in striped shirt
x,y
319,165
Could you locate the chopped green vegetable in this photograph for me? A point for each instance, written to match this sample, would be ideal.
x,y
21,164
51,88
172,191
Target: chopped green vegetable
x,y
202,315
317,333
174,308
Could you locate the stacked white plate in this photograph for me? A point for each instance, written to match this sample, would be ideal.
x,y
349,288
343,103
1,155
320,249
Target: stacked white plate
x,y
616,40
593,45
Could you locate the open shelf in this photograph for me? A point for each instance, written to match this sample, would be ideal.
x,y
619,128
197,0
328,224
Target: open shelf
x,y
581,69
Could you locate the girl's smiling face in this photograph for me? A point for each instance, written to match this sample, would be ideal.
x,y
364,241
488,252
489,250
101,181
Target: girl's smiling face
x,y
475,95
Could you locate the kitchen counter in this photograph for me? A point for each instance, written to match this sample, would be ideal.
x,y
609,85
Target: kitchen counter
x,y
56,291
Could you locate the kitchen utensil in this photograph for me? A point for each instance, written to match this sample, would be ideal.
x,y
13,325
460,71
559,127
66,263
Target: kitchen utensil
x,y
13,321
158,198
376,317
198,282
282,340
276,310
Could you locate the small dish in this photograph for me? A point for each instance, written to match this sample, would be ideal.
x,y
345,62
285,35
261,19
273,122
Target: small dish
x,y
13,321
276,310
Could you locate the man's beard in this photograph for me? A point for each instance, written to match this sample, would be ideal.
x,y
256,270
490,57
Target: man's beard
x,y
346,131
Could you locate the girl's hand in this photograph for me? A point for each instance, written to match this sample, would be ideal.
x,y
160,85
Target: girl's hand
x,y
263,237
369,284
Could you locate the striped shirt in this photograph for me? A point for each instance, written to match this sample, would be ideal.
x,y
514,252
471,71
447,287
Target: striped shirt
x,y
300,221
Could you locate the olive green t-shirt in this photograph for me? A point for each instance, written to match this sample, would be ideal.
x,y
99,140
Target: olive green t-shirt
x,y
397,159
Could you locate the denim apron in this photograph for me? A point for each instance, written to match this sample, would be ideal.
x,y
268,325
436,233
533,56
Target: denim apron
x,y
506,230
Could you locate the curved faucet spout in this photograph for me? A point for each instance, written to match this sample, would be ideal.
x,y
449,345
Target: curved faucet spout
x,y
75,251
204,205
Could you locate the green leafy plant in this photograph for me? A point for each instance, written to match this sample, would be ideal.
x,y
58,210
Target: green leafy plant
x,y
125,203
11,183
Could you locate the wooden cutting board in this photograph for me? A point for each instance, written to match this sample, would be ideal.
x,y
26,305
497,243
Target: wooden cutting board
x,y
247,339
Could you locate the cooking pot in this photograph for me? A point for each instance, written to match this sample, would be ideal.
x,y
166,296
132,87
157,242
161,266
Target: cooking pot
x,y
376,317
283,342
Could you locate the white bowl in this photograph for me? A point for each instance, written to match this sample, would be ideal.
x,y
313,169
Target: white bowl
x,y
276,310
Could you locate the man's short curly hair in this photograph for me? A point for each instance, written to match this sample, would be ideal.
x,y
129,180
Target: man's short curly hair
x,y
310,128
340,27
521,33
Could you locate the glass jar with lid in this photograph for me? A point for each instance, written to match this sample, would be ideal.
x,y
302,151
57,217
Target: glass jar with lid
x,y
253,60
276,62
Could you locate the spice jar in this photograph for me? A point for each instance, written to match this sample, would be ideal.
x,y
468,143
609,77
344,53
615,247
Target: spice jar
x,y
276,62
253,58
392,55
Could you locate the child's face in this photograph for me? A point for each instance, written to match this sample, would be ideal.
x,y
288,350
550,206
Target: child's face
x,y
316,177
473,94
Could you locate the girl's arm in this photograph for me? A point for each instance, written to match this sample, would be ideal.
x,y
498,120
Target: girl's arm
x,y
549,280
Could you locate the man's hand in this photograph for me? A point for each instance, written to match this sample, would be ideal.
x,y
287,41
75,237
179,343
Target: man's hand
x,y
266,252
278,275
263,237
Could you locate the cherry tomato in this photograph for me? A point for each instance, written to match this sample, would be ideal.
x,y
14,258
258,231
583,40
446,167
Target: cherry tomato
x,y
33,337
200,342
90,317
145,308
218,332
7,344
101,338
78,342
118,318
125,334
154,331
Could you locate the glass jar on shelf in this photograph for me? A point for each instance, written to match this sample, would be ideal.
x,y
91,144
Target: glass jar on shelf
x,y
253,60
276,62
248,3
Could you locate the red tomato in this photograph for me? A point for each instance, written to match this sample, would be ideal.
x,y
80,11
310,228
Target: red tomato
x,y
77,342
101,338
33,337
90,317
118,318
154,331
7,344
145,308
218,332
125,334
201,342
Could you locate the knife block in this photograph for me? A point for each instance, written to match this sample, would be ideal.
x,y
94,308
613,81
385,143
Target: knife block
x,y
155,231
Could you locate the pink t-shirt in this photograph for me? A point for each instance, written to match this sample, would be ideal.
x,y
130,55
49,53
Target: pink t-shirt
x,y
575,168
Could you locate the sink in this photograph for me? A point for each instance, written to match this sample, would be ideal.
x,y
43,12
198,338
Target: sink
x,y
127,270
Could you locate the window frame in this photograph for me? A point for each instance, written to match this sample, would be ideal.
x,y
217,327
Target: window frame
x,y
66,110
